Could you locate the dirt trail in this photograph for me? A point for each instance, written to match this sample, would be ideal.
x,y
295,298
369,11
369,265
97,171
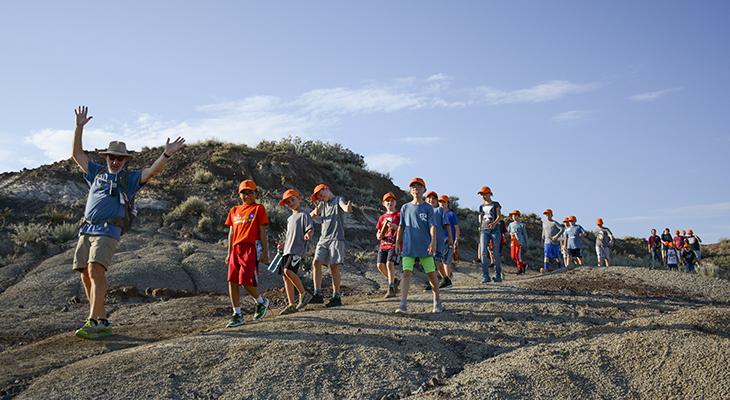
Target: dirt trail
x,y
621,332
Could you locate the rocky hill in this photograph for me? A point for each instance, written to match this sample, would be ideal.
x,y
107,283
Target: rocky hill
x,y
558,336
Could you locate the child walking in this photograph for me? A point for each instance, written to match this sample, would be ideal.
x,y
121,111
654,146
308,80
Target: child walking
x,y
247,224
416,241
299,230
518,240
387,228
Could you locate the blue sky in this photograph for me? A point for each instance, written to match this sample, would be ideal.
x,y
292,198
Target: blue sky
x,y
612,109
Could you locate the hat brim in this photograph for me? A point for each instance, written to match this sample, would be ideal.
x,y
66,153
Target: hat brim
x,y
115,153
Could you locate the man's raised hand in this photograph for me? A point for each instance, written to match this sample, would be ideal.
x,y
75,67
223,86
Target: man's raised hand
x,y
171,148
81,116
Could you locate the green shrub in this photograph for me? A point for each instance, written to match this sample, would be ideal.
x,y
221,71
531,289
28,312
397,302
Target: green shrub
x,y
187,248
26,234
313,149
56,216
202,176
5,215
192,206
206,224
277,214
364,256
62,233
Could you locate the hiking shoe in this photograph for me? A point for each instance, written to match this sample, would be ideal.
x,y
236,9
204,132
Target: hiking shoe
x,y
261,310
289,309
427,288
438,308
486,280
317,298
304,299
520,272
390,293
396,284
236,320
93,329
445,284
497,279
334,302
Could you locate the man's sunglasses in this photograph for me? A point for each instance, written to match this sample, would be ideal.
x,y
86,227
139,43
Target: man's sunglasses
x,y
116,158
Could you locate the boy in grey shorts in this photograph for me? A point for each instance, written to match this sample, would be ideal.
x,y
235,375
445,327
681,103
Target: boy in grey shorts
x,y
299,230
330,249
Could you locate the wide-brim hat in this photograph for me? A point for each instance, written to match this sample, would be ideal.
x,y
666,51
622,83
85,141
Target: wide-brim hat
x,y
116,149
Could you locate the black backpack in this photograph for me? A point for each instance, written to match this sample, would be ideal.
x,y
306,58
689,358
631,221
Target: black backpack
x,y
130,211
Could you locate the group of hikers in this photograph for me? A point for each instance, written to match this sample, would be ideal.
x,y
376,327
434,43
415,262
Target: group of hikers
x,y
423,233
672,251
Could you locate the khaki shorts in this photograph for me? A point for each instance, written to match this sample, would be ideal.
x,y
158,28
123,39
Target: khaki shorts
x,y
331,252
94,249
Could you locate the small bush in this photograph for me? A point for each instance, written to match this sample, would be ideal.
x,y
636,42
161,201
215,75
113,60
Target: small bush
x,y
56,216
202,176
277,214
4,216
364,256
313,149
62,233
206,224
26,234
187,248
192,206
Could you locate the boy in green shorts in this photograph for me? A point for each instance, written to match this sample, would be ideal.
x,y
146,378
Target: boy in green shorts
x,y
416,241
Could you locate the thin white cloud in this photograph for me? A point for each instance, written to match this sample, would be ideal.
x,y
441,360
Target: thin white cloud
x,y
254,118
420,139
547,91
386,162
651,96
572,116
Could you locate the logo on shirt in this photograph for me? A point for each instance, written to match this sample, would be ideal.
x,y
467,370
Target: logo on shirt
x,y
423,217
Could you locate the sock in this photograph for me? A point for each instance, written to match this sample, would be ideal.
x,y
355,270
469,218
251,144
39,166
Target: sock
x,y
260,300
237,310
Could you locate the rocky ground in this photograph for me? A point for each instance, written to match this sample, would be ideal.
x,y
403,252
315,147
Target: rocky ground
x,y
586,333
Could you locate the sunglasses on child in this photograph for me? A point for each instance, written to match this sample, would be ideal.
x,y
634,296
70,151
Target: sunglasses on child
x,y
246,192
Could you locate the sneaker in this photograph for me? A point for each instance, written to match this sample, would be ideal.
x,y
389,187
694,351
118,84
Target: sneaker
x,y
261,310
520,272
486,280
289,309
390,293
334,302
396,284
304,299
497,279
93,329
236,320
317,298
400,310
445,284
427,288
438,308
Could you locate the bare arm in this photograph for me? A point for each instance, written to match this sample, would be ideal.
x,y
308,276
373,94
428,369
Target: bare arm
x,y
230,239
159,164
432,246
77,152
399,239
346,206
457,234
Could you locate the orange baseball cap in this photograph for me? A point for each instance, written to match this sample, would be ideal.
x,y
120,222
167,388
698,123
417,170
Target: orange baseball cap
x,y
515,212
566,219
432,194
484,190
573,218
417,181
318,189
548,212
246,185
388,196
443,198
287,195
599,221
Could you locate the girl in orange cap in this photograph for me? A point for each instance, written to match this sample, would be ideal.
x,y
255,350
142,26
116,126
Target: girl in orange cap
x,y
490,215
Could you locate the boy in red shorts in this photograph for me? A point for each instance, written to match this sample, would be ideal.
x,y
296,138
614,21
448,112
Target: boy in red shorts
x,y
247,224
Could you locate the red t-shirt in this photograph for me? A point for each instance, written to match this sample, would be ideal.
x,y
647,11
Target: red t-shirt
x,y
387,241
678,242
246,221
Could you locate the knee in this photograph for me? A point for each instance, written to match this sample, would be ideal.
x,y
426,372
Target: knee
x,y
95,271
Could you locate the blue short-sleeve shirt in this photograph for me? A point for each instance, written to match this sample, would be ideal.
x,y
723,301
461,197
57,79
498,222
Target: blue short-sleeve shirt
x,y
416,222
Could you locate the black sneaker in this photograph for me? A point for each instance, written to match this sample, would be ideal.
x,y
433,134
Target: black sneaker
x,y
445,284
317,299
334,302
427,288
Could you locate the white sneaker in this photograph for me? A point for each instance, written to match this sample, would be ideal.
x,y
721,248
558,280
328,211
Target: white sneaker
x,y
438,308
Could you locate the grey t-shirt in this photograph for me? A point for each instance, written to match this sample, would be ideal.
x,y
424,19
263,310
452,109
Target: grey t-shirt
x,y
604,237
551,229
332,219
297,225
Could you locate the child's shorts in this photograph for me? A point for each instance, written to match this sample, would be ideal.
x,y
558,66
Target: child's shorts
x,y
426,263
574,252
243,265
386,256
552,250
292,263
330,253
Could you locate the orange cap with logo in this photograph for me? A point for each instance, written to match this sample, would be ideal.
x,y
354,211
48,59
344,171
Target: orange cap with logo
x,y
287,195
388,196
417,181
318,189
443,198
485,190
246,185
599,221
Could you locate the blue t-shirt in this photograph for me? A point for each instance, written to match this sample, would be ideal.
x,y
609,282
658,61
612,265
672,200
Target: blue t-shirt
x,y
573,235
518,229
453,221
104,201
416,222
442,235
